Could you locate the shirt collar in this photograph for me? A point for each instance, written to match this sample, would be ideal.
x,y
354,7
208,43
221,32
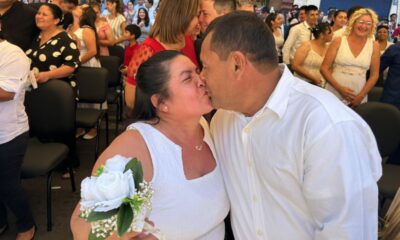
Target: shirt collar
x,y
278,101
306,24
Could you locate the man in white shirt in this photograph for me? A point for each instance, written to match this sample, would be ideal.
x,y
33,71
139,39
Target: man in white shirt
x,y
297,163
299,34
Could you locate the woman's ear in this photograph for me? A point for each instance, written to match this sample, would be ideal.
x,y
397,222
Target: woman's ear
x,y
155,100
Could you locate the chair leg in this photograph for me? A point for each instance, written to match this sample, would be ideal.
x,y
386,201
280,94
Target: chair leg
x,y
96,149
107,135
72,178
49,212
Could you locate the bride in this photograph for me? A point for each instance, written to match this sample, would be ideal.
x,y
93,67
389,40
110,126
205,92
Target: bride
x,y
173,142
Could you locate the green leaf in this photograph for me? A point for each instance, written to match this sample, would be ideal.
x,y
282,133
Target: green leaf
x,y
92,236
124,219
136,167
99,171
96,216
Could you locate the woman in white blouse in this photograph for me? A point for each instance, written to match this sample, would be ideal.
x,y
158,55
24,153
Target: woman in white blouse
x,y
274,22
117,21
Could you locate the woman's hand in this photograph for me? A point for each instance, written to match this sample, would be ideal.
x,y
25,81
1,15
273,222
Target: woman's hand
x,y
42,77
347,93
356,101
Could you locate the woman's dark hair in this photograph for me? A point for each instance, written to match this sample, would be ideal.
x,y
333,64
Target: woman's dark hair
x,y
146,17
320,28
152,78
382,26
55,10
337,14
268,20
119,6
88,19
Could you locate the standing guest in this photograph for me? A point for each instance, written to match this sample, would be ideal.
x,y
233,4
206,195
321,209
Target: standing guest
x,y
349,57
382,36
104,32
143,22
149,4
274,22
23,31
165,35
313,176
309,56
350,11
14,72
392,22
132,33
338,23
391,59
245,5
299,34
117,21
139,4
54,54
129,13
211,9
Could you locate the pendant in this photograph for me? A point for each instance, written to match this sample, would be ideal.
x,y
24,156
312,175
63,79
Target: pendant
x,y
198,147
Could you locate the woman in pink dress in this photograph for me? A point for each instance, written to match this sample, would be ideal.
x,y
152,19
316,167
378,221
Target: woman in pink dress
x,y
104,31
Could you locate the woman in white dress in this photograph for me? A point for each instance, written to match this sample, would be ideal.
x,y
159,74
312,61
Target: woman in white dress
x,y
274,22
338,23
382,36
83,31
309,56
349,57
173,143
117,21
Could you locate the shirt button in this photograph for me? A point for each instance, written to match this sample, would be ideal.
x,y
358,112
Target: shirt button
x,y
255,198
259,233
246,130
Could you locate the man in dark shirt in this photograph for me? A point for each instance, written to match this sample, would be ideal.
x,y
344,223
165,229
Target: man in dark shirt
x,y
17,22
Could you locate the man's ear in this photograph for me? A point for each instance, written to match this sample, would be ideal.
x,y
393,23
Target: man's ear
x,y
238,60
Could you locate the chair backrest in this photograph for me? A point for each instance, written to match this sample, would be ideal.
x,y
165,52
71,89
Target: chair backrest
x,y
384,120
51,111
375,94
117,51
111,63
92,84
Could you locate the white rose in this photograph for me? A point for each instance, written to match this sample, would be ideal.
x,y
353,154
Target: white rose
x,y
116,164
107,191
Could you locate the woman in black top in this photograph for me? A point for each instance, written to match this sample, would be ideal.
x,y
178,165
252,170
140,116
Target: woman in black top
x,y
54,54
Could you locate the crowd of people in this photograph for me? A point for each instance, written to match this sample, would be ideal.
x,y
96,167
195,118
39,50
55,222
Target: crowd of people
x,y
284,154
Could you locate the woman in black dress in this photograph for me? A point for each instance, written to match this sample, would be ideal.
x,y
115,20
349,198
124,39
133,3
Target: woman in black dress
x,y
54,54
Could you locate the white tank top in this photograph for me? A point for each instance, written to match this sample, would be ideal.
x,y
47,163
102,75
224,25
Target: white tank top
x,y
183,209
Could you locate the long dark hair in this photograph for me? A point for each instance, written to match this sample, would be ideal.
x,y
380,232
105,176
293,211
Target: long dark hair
x,y
88,19
56,11
146,17
271,17
152,78
336,14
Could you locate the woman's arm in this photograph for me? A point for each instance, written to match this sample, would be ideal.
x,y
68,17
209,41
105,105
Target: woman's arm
x,y
298,60
60,72
89,38
326,70
137,148
373,76
109,41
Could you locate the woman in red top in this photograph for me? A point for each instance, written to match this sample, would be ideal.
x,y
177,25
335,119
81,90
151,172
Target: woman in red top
x,y
175,21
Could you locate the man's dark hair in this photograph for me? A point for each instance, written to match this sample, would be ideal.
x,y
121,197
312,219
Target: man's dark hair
x,y
134,29
74,2
352,10
393,14
304,7
245,32
230,5
311,8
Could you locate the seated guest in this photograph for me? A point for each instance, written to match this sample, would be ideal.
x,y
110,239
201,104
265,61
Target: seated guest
x,y
54,54
104,32
172,141
14,71
166,35
309,56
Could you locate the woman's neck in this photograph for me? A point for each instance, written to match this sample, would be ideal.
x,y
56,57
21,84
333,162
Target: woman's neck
x,y
180,131
319,42
335,28
49,32
173,46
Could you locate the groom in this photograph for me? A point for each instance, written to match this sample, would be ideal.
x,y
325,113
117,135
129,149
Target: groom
x,y
297,163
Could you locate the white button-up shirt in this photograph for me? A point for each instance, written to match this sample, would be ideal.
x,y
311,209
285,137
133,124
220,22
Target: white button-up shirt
x,y
305,166
297,35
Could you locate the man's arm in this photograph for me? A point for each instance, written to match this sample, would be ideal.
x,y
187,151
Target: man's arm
x,y
341,168
6,96
290,42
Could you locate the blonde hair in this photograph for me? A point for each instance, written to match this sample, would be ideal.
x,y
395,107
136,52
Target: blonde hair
x,y
173,18
391,228
359,13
